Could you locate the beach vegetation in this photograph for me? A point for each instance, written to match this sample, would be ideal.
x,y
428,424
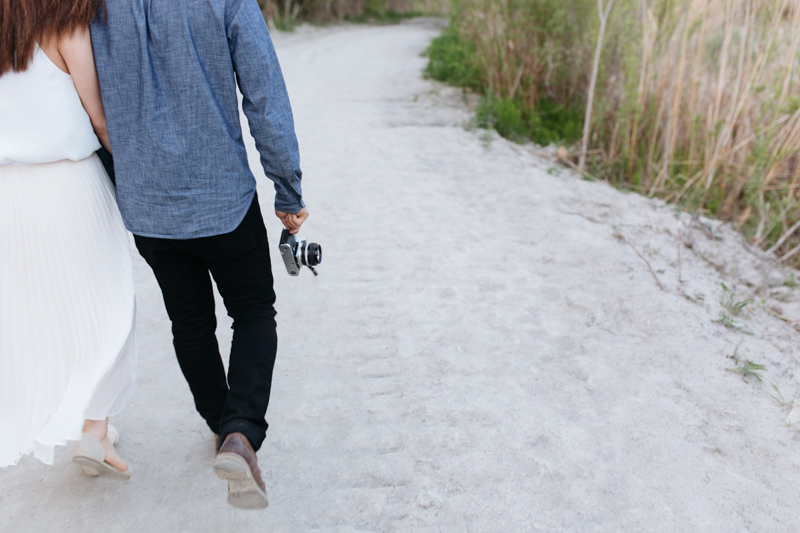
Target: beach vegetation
x,y
695,102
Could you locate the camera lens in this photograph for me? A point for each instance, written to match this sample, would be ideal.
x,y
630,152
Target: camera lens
x,y
313,254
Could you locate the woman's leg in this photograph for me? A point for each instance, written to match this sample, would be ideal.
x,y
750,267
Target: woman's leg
x,y
99,430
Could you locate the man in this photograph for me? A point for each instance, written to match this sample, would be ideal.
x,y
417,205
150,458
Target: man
x,y
168,72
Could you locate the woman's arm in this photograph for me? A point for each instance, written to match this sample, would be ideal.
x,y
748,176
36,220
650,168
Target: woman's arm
x,y
76,49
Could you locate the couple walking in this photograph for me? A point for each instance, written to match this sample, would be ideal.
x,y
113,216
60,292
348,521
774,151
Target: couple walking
x,y
154,82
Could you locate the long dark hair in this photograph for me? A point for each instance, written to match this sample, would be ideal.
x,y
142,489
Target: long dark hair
x,y
23,23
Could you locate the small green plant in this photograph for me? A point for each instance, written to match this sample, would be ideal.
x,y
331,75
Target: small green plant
x,y
726,320
783,402
651,251
748,368
697,296
486,137
712,232
730,302
780,296
791,282
732,306
700,296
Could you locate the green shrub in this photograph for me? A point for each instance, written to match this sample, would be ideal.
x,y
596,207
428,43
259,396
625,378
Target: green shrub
x,y
554,122
505,116
450,59
547,123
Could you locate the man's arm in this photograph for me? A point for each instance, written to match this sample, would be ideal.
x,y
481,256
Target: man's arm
x,y
266,103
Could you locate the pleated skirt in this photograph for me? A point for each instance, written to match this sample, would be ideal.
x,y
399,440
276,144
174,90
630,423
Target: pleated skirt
x,y
67,346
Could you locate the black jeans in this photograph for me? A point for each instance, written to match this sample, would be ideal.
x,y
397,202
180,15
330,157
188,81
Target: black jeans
x,y
239,262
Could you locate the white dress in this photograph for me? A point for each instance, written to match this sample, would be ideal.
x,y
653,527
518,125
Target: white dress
x,y
67,349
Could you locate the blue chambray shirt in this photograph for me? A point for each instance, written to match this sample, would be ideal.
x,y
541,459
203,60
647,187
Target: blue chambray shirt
x,y
168,71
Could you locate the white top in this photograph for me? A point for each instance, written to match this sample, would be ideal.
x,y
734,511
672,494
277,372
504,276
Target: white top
x,y
42,119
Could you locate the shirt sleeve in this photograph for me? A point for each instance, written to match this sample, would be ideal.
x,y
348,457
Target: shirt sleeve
x,y
265,101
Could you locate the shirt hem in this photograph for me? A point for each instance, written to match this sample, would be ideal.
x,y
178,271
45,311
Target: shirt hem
x,y
201,234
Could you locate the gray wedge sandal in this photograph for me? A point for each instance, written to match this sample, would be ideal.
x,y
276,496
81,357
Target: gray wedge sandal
x,y
89,453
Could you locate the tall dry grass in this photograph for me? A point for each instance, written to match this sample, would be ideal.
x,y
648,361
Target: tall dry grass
x,y
697,101
716,123
527,49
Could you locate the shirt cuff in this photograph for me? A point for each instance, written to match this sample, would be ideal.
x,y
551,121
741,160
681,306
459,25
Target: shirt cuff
x,y
288,199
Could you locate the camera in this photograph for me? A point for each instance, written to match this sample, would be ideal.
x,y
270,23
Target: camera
x,y
296,252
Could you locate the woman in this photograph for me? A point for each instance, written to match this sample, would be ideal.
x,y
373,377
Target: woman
x,y
67,354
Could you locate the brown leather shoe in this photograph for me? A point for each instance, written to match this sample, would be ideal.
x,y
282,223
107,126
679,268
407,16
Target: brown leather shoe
x,y
237,463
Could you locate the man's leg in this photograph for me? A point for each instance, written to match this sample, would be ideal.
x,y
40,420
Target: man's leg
x,y
241,267
189,300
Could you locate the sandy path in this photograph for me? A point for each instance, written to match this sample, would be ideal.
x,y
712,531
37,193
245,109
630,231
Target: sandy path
x,y
479,353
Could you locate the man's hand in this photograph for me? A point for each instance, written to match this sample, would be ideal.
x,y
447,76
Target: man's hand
x,y
293,221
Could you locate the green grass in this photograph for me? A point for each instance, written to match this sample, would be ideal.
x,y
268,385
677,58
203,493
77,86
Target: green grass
x,y
732,307
731,302
782,401
749,369
451,60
